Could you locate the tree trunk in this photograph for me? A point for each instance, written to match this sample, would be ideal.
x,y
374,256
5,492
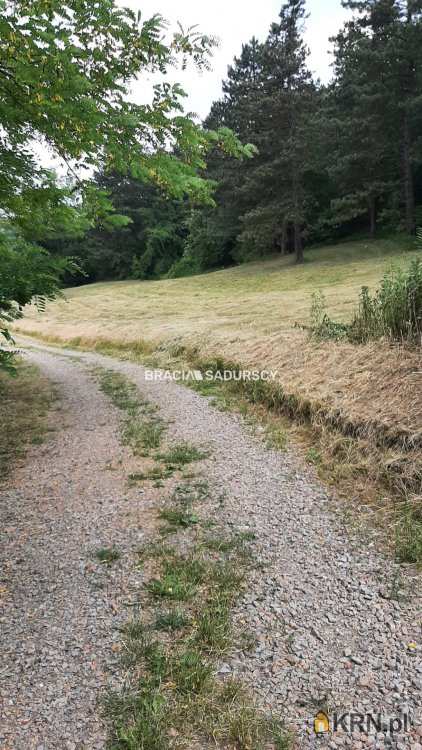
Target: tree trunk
x,y
372,216
284,237
297,224
409,194
298,242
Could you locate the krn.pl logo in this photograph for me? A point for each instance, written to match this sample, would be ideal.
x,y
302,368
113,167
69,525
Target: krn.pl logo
x,y
321,723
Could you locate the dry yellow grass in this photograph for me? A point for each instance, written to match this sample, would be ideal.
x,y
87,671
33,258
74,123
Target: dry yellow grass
x,y
247,314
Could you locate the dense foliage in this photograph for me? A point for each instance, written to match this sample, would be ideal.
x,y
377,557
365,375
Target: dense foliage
x,y
65,75
330,160
394,311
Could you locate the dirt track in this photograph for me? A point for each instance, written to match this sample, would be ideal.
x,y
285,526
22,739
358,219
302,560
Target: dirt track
x,y
328,632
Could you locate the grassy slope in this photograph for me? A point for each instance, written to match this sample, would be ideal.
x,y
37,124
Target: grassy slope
x,y
247,314
266,295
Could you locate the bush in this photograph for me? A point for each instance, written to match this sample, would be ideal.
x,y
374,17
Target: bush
x,y
393,312
322,327
27,274
185,266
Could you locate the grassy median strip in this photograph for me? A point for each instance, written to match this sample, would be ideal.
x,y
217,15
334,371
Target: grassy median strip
x,y
142,428
174,695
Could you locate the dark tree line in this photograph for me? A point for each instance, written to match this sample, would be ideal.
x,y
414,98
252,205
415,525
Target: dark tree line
x,y
330,160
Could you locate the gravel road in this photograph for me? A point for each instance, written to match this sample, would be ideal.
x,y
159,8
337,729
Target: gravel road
x,y
337,625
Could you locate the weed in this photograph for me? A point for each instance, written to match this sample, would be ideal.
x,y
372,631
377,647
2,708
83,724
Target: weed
x,y
229,717
121,392
177,677
394,311
180,578
139,718
213,633
155,659
142,436
142,429
313,456
181,454
191,493
228,577
220,544
276,437
134,629
179,518
190,672
107,555
155,474
173,619
229,544
154,549
322,327
409,532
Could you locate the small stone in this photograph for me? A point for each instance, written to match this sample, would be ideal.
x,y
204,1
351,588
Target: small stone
x,y
367,680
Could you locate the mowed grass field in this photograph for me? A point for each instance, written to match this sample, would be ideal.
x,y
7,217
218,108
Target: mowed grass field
x,y
260,297
248,314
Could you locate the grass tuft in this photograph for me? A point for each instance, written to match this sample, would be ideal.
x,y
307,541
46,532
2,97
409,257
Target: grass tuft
x,y
179,518
181,454
179,580
171,620
142,428
107,555
409,532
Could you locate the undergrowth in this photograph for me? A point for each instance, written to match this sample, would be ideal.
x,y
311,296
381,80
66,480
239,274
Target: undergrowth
x,y
394,311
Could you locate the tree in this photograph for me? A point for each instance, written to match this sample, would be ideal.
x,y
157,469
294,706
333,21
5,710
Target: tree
x,y
361,123
240,111
27,273
287,101
379,60
146,246
65,75
270,100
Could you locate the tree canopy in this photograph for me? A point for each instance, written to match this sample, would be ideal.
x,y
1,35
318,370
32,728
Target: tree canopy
x,y
65,74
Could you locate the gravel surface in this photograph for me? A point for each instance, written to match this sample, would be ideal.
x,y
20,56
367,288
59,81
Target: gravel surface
x,y
62,609
337,625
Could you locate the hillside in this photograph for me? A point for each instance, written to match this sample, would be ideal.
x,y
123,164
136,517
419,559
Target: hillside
x,y
247,314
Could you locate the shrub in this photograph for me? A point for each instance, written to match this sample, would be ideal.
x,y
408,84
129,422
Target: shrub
x,y
322,327
394,311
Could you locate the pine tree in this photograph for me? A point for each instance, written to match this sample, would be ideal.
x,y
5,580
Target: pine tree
x,y
363,151
384,70
287,99
239,109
